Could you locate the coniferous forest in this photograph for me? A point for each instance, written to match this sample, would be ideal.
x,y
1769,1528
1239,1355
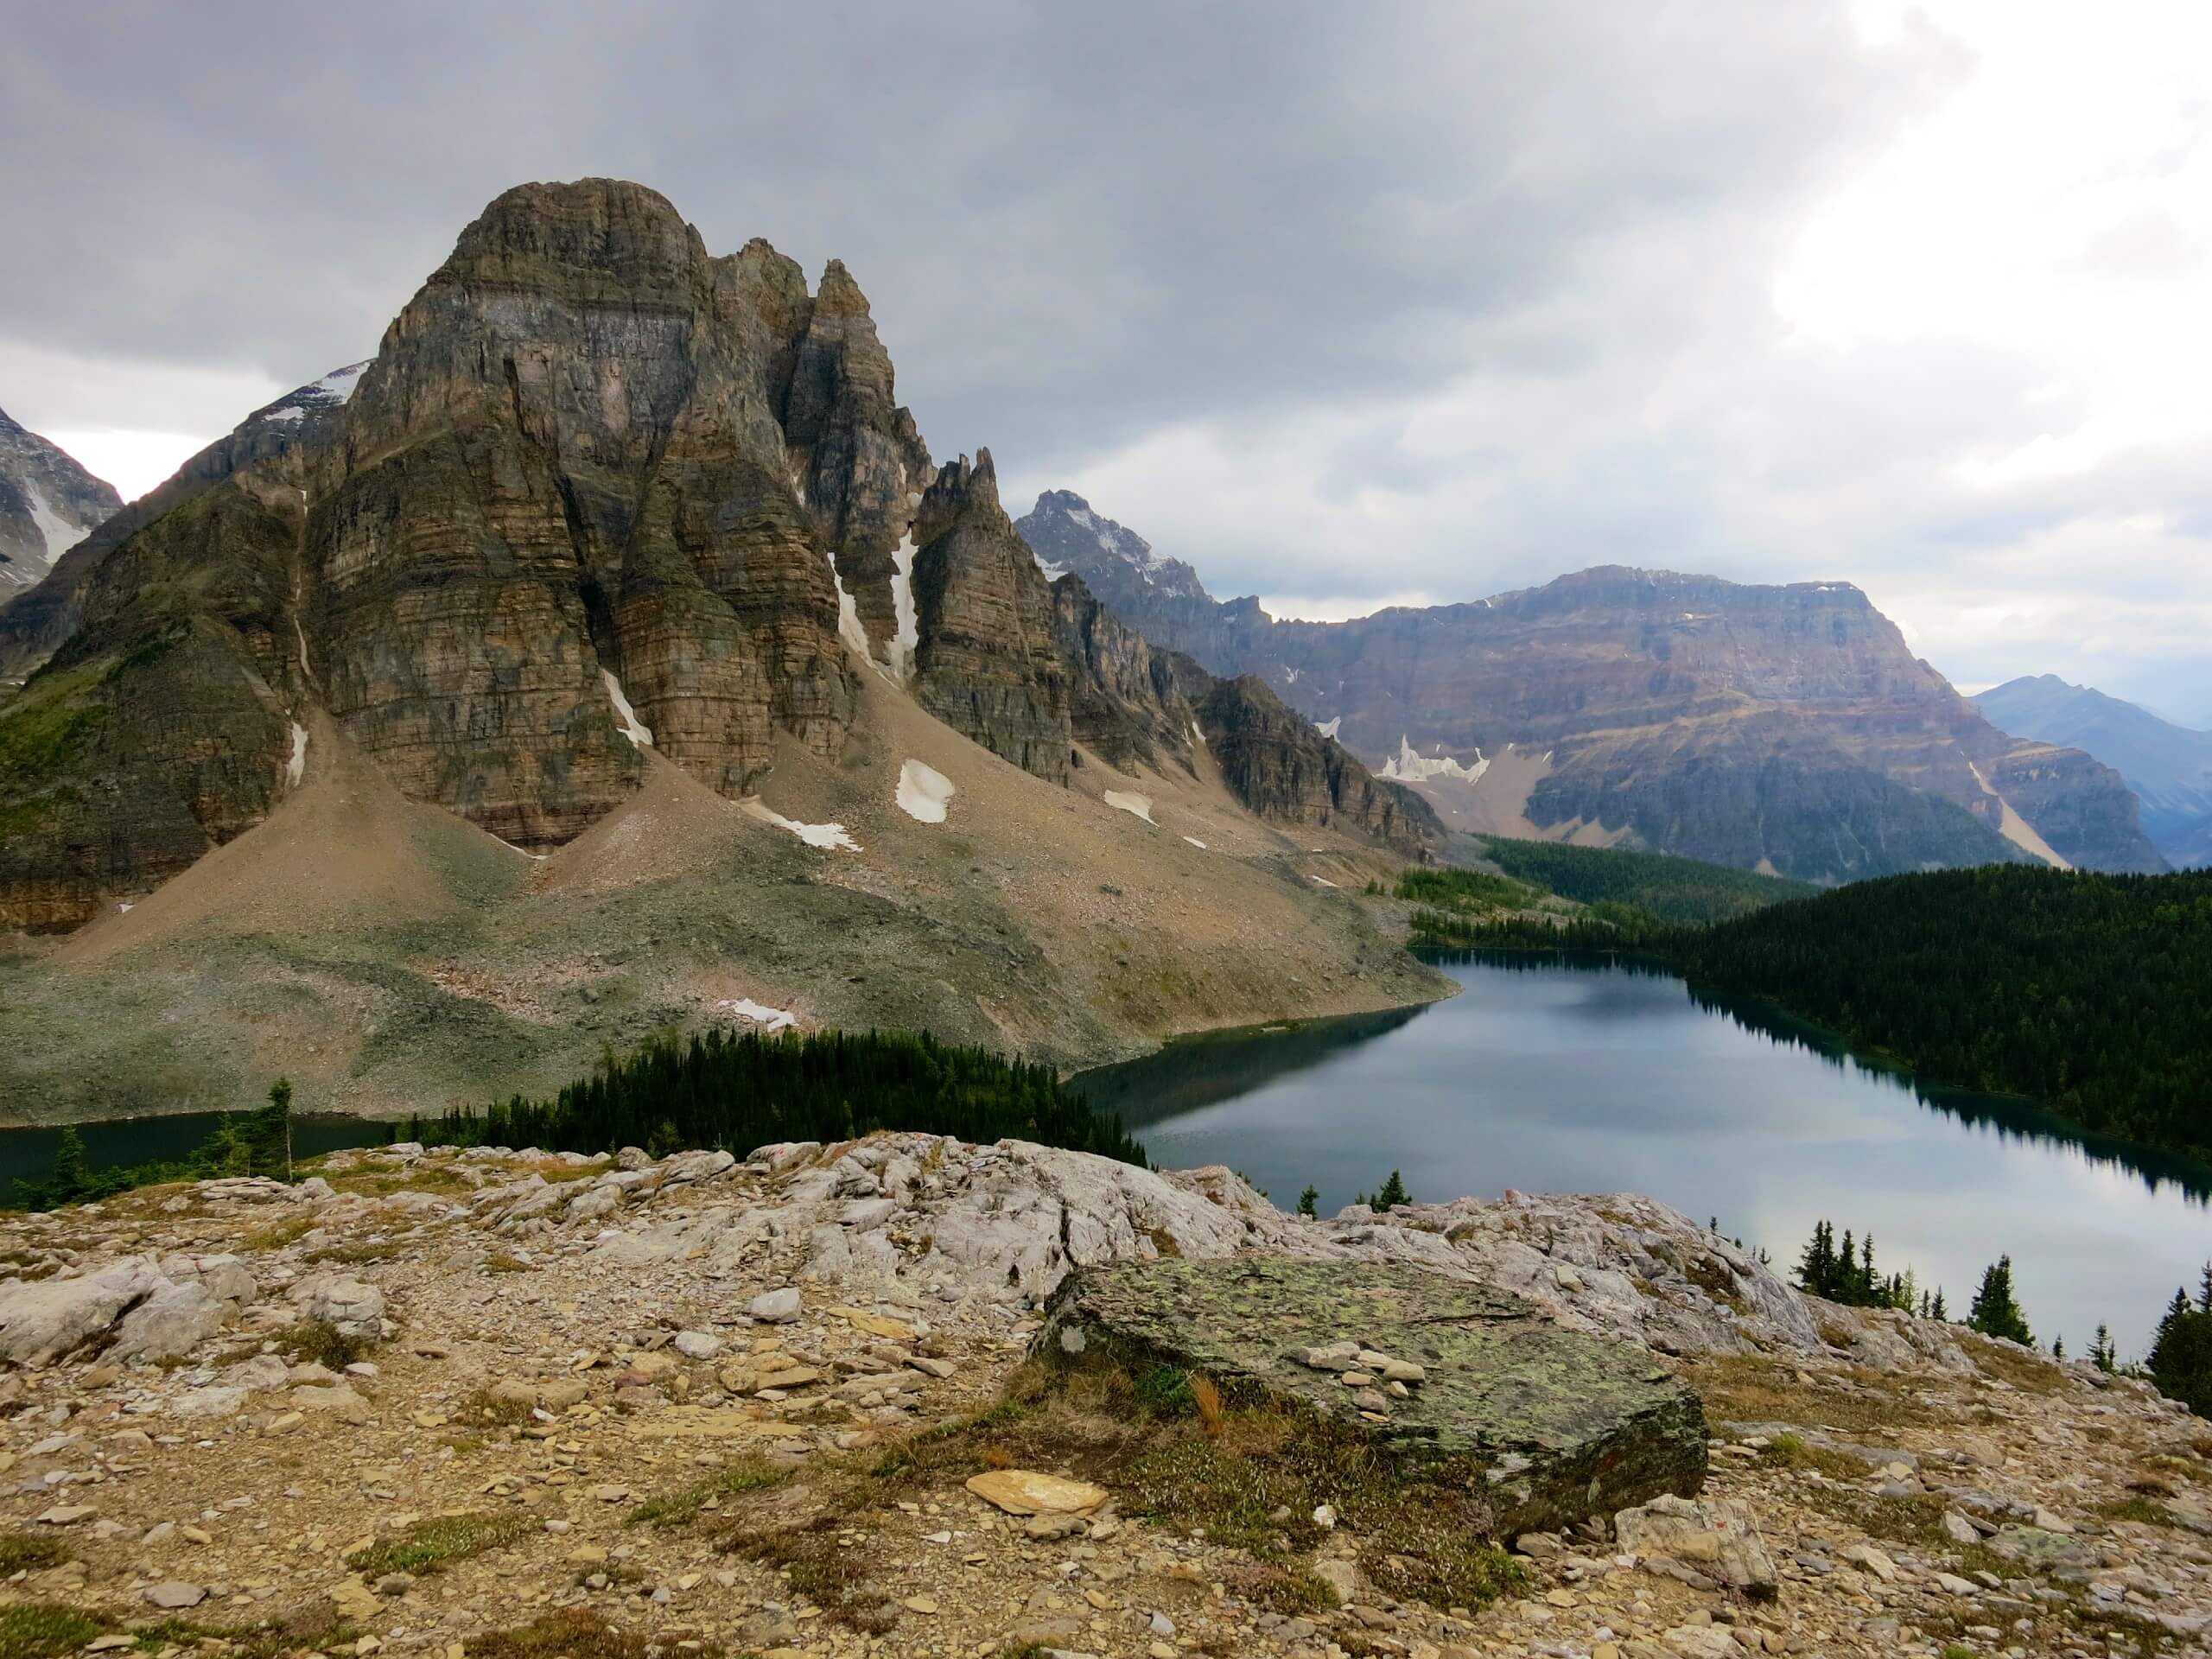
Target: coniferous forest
x,y
2085,992
738,1091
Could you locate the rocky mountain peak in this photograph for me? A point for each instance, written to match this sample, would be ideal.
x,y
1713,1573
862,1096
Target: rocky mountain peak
x,y
987,663
609,234
1116,563
48,505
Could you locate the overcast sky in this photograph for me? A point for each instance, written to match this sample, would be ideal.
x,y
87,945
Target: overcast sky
x,y
1348,305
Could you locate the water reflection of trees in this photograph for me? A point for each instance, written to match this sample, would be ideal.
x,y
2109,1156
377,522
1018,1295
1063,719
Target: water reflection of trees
x,y
2009,1119
1195,1071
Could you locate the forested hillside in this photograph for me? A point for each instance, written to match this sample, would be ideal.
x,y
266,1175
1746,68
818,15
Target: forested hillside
x,y
741,1091
1681,890
2087,992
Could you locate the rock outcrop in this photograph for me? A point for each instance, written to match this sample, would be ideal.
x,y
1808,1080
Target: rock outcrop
x,y
1283,769
1124,698
753,1356
985,662
1541,1427
48,505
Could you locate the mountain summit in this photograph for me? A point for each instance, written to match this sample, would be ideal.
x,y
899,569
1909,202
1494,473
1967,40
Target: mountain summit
x,y
1117,565
48,505
1786,729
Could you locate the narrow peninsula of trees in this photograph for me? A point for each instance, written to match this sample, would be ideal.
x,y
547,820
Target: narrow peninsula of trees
x,y
1685,892
258,1143
738,1091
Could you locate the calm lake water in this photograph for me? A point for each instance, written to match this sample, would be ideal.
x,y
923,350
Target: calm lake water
x,y
1568,1076
27,1154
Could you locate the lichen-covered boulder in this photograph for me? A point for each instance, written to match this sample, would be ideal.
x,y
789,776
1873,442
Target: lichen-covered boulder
x,y
1543,1425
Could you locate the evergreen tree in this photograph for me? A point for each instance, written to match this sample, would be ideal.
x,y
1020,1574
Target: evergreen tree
x,y
1994,1313
2204,1288
1817,1267
2181,1355
1393,1192
2058,1346
1309,1203
1941,1314
2100,1351
72,1171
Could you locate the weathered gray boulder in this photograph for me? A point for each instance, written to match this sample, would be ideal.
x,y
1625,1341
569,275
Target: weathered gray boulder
x,y
174,1320
1543,1425
43,1320
355,1308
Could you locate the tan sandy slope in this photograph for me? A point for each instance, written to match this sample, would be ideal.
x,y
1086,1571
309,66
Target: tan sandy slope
x,y
388,957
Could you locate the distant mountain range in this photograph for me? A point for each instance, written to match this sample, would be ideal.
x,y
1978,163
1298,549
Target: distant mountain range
x,y
48,505
1781,729
2169,766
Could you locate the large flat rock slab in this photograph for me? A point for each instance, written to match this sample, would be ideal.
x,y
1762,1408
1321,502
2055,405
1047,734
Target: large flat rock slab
x,y
1547,1425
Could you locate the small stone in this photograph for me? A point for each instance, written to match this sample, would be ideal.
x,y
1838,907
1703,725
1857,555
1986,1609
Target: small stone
x,y
1324,1517
68,1515
192,1534
1022,1492
776,1306
1874,1561
175,1592
1959,1529
919,1605
1162,1624
698,1344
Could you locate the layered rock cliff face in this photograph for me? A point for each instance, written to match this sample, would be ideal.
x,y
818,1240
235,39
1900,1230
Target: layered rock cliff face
x,y
1284,770
1785,726
1124,700
986,664
48,505
2168,766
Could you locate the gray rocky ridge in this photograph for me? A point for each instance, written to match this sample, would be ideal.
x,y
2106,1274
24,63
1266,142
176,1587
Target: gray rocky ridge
x,y
49,503
615,1398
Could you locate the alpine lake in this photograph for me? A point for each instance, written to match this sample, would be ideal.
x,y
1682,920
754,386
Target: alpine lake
x,y
1568,1075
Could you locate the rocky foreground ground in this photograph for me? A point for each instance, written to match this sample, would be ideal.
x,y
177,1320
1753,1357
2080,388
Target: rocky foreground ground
x,y
511,1404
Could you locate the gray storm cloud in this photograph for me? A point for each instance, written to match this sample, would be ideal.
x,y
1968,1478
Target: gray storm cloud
x,y
1335,301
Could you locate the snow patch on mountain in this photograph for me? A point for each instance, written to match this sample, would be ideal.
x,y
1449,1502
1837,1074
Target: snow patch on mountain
x,y
924,792
902,607
1408,767
624,716
814,835
1137,806
768,1019
60,535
